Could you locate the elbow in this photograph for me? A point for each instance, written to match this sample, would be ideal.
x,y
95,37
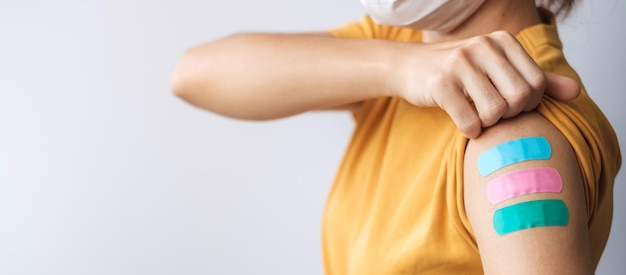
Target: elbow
x,y
177,84
196,81
181,81
204,78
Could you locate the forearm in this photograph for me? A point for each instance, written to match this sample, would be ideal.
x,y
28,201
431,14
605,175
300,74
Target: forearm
x,y
266,76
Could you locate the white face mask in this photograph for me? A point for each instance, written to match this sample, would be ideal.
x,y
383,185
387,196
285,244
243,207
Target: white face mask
x,y
432,15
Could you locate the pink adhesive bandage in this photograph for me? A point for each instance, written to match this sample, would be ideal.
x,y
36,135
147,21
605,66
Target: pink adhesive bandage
x,y
523,182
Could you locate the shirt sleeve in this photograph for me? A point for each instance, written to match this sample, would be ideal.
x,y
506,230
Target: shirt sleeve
x,y
367,28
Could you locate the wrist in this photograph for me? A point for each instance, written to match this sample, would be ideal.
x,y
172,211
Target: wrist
x,y
395,75
404,71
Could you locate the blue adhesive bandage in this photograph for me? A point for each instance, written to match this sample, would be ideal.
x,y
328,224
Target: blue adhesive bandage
x,y
514,151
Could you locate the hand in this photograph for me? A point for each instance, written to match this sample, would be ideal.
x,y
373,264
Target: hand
x,y
480,80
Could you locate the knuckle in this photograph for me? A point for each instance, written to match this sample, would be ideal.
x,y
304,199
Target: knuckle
x,y
480,41
437,82
482,47
458,61
522,94
493,112
503,35
469,124
497,107
437,79
458,56
537,81
506,40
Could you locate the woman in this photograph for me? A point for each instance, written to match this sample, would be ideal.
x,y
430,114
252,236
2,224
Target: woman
x,y
459,163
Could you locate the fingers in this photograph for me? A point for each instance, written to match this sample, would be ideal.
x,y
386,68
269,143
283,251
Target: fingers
x,y
490,77
489,104
561,88
461,111
525,95
522,82
517,78
493,83
513,87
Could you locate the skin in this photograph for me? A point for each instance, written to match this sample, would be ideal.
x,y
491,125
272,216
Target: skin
x,y
492,16
254,76
540,250
478,73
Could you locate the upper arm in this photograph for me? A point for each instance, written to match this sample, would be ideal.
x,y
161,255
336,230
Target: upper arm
x,y
525,220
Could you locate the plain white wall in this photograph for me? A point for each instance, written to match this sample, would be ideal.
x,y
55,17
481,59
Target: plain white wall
x,y
103,171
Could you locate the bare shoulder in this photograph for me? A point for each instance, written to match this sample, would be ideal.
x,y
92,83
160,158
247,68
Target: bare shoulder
x,y
525,200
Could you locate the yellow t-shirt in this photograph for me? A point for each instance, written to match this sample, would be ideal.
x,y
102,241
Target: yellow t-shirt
x,y
396,206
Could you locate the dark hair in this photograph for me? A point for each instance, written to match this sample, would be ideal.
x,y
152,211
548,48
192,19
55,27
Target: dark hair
x,y
558,7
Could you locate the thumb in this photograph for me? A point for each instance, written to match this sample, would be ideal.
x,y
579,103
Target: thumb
x,y
561,87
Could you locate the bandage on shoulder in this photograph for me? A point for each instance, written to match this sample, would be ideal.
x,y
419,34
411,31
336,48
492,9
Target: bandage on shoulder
x,y
523,182
514,151
530,214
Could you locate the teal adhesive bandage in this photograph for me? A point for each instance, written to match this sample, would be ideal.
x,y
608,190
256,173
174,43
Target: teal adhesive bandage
x,y
530,214
514,151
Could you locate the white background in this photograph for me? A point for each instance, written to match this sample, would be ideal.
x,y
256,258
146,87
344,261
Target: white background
x,y
103,171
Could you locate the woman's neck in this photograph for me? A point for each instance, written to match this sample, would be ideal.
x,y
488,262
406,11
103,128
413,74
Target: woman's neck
x,y
493,15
